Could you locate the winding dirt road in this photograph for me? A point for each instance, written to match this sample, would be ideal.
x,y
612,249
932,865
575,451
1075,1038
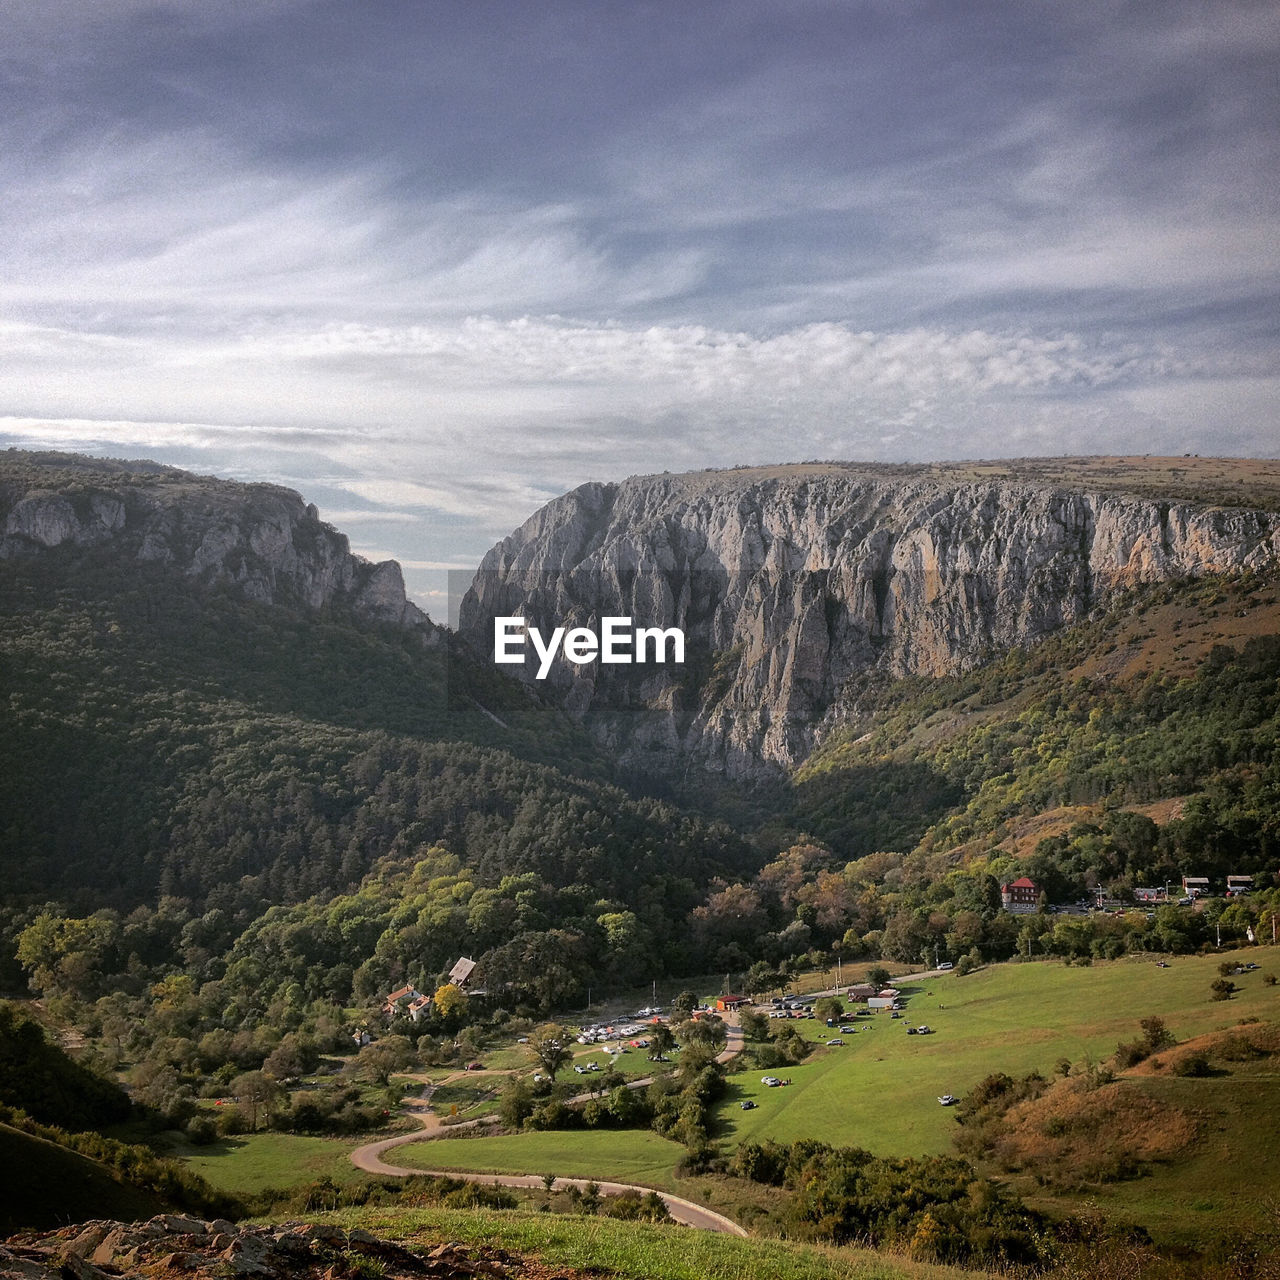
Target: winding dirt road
x,y
369,1157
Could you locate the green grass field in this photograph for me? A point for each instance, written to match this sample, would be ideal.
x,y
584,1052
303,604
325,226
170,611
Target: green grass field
x,y
629,1155
1228,1185
632,1251
880,1090
260,1161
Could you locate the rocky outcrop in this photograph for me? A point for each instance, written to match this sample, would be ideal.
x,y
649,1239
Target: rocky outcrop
x,y
176,1245
262,539
789,582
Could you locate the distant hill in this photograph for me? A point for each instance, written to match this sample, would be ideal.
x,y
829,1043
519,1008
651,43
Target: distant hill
x,y
209,700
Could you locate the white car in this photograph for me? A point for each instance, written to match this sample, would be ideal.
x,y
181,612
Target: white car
x,y
772,1081
948,1100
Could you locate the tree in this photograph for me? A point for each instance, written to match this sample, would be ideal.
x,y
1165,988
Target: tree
x,y
256,1092
294,1056
755,1026
451,1004
549,1046
879,976
707,1033
378,1060
515,1103
686,1002
661,1041
762,978
829,1007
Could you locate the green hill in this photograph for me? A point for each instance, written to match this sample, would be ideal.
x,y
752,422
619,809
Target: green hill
x,y
45,1185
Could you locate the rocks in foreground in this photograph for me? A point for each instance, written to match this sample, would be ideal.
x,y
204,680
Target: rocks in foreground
x,y
172,1245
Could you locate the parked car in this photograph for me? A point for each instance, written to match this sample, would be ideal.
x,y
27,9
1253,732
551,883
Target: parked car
x,y
747,1105
772,1081
847,1031
945,965
948,1100
475,1066
922,1030
836,1040
911,1031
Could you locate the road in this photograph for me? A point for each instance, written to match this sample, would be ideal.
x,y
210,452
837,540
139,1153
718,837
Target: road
x,y
369,1157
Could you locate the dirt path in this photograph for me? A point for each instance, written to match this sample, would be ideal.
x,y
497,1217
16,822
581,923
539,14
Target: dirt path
x,y
369,1156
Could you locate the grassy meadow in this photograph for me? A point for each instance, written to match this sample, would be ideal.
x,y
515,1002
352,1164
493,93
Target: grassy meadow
x,y
880,1090
629,1155
631,1251
265,1161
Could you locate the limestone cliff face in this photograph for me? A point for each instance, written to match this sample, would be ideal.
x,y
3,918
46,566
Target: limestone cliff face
x,y
790,581
263,539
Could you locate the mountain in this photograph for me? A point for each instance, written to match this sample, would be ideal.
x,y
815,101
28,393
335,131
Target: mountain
x,y
260,538
211,704
800,588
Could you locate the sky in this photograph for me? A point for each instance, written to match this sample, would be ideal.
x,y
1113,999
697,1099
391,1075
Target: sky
x,y
433,262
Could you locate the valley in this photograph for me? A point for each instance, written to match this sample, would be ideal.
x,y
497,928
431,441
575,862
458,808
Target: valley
x,y
280,853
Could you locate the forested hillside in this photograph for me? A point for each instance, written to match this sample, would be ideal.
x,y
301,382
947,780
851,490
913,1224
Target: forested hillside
x,y
227,810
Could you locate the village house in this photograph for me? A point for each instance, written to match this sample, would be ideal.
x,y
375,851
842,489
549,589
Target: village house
x,y
398,1002
861,992
1020,896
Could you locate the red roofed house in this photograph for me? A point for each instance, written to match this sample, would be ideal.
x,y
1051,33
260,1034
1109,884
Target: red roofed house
x,y
1020,896
399,1000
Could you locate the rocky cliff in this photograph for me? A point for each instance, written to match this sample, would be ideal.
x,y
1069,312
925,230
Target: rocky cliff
x,y
260,538
791,581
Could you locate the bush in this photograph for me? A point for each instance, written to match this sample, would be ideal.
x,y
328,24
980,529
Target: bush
x,y
201,1130
1194,1064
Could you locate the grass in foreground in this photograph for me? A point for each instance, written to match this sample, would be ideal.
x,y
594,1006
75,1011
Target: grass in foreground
x,y
641,1252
